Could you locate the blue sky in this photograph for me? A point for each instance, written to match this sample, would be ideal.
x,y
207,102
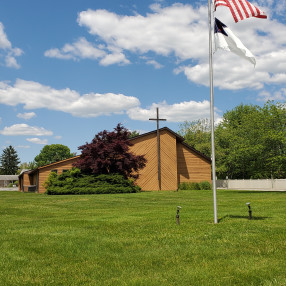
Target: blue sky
x,y
70,69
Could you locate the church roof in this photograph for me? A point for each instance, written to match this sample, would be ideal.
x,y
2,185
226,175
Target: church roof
x,y
44,166
8,177
178,137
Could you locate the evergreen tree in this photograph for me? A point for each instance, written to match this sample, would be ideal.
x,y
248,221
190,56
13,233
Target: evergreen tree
x,y
9,161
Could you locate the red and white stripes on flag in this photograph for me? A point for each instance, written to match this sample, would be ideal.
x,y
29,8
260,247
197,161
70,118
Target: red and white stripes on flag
x,y
241,9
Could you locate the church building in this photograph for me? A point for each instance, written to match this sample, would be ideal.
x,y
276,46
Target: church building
x,y
174,162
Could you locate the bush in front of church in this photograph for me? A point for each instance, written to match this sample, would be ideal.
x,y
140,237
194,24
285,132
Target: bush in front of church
x,y
74,182
204,185
109,153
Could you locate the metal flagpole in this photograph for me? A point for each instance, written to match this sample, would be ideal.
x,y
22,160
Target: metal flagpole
x,y
212,109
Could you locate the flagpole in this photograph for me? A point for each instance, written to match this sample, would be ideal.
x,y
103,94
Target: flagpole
x,y
212,110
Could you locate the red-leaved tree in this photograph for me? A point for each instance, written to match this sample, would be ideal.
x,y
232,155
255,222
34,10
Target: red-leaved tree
x,y
108,153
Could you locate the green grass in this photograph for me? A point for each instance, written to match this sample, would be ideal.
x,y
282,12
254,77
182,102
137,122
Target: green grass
x,y
133,239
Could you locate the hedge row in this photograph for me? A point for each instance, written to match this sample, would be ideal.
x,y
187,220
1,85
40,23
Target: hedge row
x,y
204,185
73,182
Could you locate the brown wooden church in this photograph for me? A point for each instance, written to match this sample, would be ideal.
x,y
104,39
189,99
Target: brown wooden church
x,y
178,163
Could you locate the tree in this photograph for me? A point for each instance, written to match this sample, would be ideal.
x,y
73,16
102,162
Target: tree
x,y
236,142
251,142
9,161
108,153
27,166
134,134
197,134
274,139
53,153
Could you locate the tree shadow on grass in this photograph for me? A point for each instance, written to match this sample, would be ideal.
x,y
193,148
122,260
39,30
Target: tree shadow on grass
x,y
242,217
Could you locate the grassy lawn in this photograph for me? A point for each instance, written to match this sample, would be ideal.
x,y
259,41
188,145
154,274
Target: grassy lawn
x,y
133,239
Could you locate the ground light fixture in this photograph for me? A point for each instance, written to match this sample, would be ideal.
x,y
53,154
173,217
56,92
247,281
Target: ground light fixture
x,y
249,211
178,214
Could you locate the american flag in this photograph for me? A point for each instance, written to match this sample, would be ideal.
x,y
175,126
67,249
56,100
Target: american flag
x,y
241,9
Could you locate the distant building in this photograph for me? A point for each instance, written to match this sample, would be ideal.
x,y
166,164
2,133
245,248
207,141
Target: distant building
x,y
179,163
33,180
6,180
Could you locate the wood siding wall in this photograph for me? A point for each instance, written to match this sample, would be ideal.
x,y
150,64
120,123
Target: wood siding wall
x,y
179,163
191,166
26,180
45,171
168,161
147,146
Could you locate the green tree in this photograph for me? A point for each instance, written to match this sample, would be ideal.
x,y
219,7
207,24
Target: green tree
x,y
134,134
237,147
274,139
197,134
27,166
250,142
9,161
53,153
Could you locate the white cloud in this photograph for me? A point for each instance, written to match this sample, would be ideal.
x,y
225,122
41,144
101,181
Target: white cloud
x,y
182,31
165,31
23,147
59,54
276,95
4,42
7,51
11,61
82,49
27,115
238,76
79,49
177,112
37,141
35,95
154,63
275,7
24,129
116,58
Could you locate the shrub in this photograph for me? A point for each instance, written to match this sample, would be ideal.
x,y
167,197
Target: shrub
x,y
194,186
184,186
75,182
13,184
204,185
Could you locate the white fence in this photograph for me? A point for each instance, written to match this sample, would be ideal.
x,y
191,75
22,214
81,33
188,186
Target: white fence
x,y
263,185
